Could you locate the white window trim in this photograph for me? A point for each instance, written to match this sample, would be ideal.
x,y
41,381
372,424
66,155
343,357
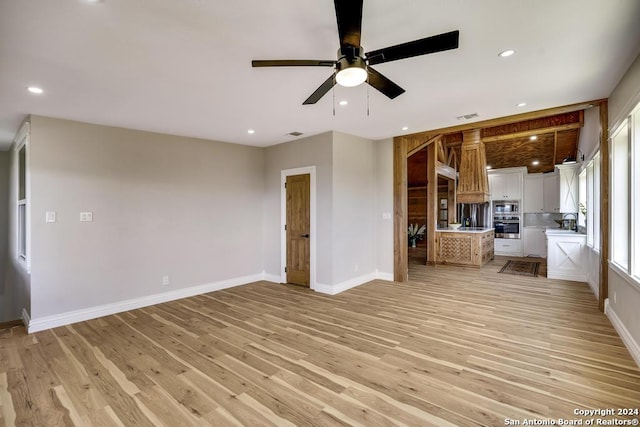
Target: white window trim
x,y
23,139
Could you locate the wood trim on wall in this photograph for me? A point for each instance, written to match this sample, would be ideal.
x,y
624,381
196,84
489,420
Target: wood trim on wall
x,y
432,203
400,246
605,198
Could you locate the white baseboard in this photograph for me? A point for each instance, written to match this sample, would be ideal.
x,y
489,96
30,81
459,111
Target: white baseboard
x,y
351,283
627,338
26,319
56,320
272,278
380,275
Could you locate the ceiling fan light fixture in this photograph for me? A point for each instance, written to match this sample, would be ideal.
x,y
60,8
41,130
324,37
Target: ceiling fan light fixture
x,y
351,74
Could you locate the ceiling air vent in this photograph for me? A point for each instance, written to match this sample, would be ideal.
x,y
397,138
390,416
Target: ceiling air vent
x,y
468,116
295,133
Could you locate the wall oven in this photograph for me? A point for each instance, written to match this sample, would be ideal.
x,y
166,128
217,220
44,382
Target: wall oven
x,y
507,227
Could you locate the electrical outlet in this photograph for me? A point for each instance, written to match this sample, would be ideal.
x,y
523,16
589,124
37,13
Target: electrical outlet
x,y
386,215
86,216
50,217
165,280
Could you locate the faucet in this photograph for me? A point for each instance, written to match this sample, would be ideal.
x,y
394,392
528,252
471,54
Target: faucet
x,y
571,223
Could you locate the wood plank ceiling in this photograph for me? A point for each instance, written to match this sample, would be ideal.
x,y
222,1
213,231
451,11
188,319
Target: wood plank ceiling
x,y
538,144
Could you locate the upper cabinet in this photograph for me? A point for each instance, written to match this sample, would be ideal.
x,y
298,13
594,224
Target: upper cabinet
x,y
568,188
533,193
551,192
506,184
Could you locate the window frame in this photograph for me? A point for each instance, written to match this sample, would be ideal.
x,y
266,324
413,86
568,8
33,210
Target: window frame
x,y
22,206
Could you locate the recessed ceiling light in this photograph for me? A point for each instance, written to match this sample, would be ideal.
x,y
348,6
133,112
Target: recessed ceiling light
x,y
35,89
506,53
251,131
521,104
343,102
488,166
533,137
405,127
535,163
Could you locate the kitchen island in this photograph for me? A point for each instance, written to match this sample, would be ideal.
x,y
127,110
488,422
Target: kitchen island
x,y
465,246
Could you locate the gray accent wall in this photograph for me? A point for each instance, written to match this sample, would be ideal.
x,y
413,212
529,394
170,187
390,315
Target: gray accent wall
x,y
311,151
384,205
162,205
354,194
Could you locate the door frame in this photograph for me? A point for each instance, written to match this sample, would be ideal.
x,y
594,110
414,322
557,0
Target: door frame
x,y
311,170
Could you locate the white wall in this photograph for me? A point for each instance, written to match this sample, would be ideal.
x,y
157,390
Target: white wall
x,y
354,235
162,206
624,311
384,204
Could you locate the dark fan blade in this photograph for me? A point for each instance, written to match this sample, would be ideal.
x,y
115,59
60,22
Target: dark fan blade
x,y
444,41
321,91
383,84
349,17
292,63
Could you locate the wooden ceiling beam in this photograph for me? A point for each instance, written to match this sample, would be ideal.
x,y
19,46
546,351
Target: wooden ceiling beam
x,y
532,132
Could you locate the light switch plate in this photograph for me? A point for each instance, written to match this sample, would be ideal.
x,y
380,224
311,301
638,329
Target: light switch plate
x,y
386,215
86,216
50,217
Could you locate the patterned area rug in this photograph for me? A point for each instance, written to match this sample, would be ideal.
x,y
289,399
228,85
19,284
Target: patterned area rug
x,y
521,268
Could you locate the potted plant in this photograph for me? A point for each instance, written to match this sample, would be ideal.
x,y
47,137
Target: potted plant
x,y
415,233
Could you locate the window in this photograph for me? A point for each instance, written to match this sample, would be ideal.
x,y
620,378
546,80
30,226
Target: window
x,y
620,196
594,218
625,205
589,206
22,202
20,195
582,198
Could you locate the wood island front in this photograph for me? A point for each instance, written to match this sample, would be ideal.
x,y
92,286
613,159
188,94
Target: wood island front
x,y
465,246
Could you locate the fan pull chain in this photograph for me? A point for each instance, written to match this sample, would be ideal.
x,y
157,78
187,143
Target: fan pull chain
x,y
333,92
368,94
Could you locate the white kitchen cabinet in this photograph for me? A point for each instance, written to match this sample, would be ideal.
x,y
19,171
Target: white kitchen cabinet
x,y
568,175
533,193
506,184
508,247
551,192
535,242
566,255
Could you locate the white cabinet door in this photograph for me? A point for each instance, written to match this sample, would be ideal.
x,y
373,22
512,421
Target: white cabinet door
x,y
533,193
496,187
535,242
507,186
513,186
551,193
568,188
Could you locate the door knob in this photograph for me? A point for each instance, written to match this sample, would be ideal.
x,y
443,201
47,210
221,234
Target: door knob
x,y
304,235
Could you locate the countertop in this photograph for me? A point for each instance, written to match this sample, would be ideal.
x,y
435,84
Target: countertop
x,y
560,232
465,230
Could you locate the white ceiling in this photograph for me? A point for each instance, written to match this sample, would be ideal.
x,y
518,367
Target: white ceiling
x,y
184,66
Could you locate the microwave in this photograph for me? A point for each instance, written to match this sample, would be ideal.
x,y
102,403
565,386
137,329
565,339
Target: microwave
x,y
505,207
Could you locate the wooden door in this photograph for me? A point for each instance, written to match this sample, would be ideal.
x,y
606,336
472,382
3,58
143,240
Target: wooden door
x,y
298,227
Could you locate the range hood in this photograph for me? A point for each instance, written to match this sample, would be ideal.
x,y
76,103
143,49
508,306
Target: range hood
x,y
473,184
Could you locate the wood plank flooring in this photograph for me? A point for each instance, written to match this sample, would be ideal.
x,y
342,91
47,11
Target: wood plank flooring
x,y
455,346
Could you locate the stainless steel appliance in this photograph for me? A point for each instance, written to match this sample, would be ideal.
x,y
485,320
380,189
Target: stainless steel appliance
x,y
507,227
474,214
506,219
503,207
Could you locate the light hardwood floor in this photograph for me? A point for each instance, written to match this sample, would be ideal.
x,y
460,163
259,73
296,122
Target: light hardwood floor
x,y
455,346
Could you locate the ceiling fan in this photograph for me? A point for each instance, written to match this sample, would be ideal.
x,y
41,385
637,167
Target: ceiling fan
x,y
353,65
